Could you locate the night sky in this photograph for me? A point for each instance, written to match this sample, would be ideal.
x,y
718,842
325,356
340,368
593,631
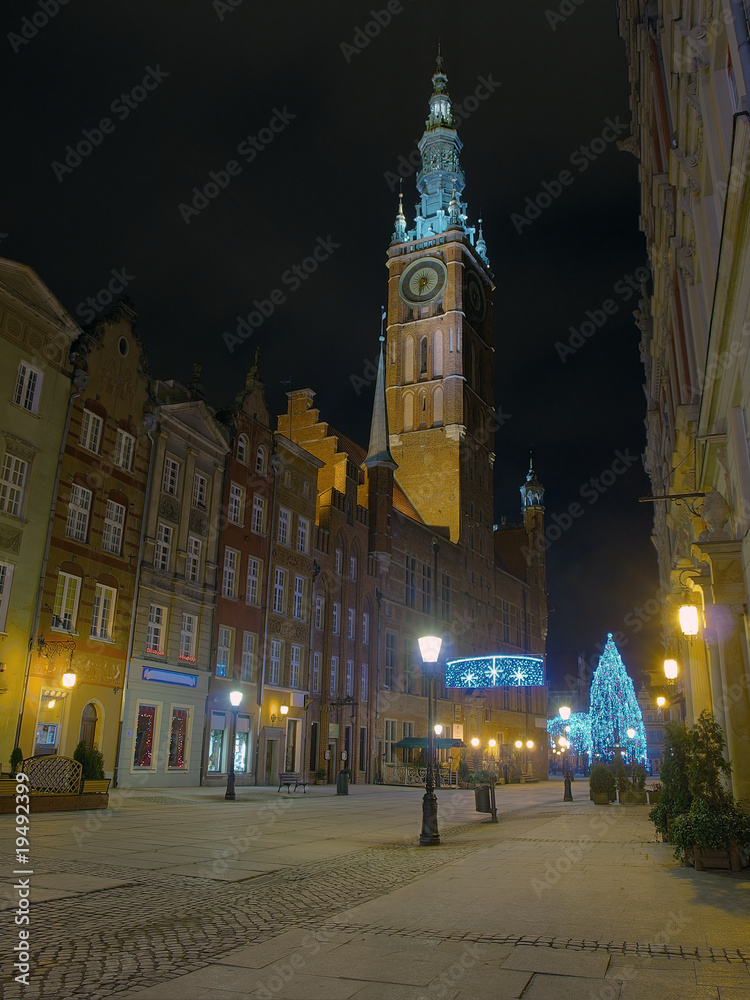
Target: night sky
x,y
318,105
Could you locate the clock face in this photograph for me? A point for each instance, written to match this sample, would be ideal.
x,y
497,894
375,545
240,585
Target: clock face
x,y
477,302
422,281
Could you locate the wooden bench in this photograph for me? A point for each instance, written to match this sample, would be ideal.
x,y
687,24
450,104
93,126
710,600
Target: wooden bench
x,y
290,778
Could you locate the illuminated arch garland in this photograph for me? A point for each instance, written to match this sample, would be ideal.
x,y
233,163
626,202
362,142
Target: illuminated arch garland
x,y
495,671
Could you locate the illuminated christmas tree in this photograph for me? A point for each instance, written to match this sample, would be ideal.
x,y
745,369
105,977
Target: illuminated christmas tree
x,y
614,711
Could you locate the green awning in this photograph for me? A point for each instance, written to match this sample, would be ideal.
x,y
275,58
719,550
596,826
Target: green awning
x,y
420,743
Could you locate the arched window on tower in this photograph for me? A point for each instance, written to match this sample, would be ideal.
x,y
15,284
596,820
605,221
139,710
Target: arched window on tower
x,y
437,406
437,352
242,448
409,360
409,411
423,356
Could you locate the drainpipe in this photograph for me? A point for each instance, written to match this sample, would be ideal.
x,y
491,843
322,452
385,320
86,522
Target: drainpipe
x,y
80,379
136,587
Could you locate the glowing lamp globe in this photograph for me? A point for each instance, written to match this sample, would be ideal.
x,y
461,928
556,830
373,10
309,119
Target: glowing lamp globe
x,y
475,742
492,744
429,647
689,623
518,744
661,701
438,729
284,709
670,669
530,744
235,697
68,680
564,713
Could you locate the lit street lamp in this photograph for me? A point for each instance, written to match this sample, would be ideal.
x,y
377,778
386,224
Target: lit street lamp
x,y
235,698
429,647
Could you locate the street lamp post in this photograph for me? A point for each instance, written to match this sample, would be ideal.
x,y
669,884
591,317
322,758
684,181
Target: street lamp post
x,y
429,647
235,698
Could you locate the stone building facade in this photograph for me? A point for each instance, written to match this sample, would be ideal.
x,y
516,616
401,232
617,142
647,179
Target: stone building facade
x,y
690,76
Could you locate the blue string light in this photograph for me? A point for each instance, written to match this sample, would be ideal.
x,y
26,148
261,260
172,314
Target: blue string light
x,y
495,671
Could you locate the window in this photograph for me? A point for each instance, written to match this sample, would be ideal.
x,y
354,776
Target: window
x,y
390,739
28,387
178,738
103,615
200,485
143,744
294,671
229,577
163,546
336,618
249,646
258,523
282,535
156,629
124,447
350,623
242,448
518,627
506,621
171,476
334,675
410,595
260,460
279,591
236,509
362,748
6,576
363,682
252,588
12,485
187,638
193,560
390,660
299,597
427,589
303,534
352,567
114,519
445,597
319,610
91,431
65,610
349,678
79,508
409,685
216,742
317,659
274,674
365,628
339,557
223,651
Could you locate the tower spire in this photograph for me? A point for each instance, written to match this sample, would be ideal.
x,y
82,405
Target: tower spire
x,y
379,452
532,491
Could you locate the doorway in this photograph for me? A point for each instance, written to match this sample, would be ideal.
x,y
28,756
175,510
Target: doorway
x,y
272,762
89,719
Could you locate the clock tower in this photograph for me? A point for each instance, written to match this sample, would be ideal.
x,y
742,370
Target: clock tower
x,y
440,354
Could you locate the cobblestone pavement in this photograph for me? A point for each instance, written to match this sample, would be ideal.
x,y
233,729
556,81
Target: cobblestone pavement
x,y
131,931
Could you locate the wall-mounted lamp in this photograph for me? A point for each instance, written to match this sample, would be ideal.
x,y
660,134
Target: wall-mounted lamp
x,y
69,680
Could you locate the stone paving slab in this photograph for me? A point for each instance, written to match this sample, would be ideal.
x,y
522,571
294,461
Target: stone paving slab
x,y
558,962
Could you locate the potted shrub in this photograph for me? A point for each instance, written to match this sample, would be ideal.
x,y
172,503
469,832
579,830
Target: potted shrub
x,y
713,822
320,776
675,797
463,774
654,793
16,756
601,784
91,760
634,792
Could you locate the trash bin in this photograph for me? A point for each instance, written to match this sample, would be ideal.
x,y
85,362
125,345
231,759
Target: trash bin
x,y
342,783
482,798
